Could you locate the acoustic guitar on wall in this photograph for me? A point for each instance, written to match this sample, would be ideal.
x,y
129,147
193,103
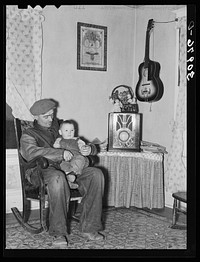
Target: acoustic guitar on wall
x,y
149,87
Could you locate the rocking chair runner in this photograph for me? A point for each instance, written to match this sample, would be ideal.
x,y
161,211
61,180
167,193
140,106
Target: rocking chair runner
x,y
31,193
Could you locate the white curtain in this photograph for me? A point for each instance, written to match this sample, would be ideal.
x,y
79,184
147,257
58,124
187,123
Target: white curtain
x,y
23,59
175,176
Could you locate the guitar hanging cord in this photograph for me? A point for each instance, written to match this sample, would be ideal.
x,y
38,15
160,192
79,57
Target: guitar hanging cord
x,y
172,21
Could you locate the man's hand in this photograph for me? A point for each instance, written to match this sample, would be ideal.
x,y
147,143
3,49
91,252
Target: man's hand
x,y
67,155
85,150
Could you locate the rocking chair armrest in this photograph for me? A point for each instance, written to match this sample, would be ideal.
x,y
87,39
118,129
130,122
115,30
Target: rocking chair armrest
x,y
42,162
39,161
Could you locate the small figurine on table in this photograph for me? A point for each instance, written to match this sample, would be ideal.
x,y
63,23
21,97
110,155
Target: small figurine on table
x,y
117,106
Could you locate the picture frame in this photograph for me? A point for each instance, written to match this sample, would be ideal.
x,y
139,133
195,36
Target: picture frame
x,y
124,132
91,47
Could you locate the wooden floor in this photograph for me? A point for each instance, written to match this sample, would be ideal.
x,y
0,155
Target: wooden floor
x,y
165,212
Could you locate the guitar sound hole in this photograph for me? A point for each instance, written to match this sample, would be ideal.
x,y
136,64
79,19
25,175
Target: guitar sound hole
x,y
146,92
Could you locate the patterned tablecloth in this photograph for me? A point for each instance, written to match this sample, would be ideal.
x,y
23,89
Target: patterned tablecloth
x,y
133,179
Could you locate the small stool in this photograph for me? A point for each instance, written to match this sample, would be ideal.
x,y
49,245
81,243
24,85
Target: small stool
x,y
178,197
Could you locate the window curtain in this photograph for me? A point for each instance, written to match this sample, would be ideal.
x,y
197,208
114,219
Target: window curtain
x,y
23,59
176,166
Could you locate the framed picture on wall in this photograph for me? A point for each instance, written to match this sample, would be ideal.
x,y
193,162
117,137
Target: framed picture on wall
x,y
91,47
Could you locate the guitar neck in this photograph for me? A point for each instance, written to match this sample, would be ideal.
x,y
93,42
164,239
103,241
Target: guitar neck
x,y
146,57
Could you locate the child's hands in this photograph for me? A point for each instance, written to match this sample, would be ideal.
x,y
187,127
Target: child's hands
x,y
57,143
67,155
85,150
80,143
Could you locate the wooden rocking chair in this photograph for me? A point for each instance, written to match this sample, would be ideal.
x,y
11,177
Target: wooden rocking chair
x,y
31,193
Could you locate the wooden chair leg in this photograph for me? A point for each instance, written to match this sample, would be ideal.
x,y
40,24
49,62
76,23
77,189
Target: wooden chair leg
x,y
26,209
72,210
174,215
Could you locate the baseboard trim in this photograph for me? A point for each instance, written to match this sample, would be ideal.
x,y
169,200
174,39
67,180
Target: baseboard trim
x,y
34,215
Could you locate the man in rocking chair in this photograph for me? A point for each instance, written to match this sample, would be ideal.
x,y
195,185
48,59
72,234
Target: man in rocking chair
x,y
38,141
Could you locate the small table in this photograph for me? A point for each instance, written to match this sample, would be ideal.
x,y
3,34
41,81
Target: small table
x,y
133,179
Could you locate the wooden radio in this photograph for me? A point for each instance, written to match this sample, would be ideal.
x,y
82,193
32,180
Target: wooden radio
x,y
124,131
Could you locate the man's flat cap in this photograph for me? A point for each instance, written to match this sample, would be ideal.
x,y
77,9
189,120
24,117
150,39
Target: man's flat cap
x,y
42,106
